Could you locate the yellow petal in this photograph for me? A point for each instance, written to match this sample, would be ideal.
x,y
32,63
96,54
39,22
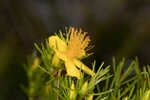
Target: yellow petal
x,y
55,60
61,55
71,69
56,43
77,44
79,64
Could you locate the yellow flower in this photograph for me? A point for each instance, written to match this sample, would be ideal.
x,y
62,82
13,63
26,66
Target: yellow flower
x,y
71,52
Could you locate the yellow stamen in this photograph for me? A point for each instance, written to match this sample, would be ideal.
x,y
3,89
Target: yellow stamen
x,y
77,44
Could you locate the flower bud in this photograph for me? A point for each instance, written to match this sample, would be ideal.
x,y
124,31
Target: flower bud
x,y
35,63
146,95
72,92
90,97
83,88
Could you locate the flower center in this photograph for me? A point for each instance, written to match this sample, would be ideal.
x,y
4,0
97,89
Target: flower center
x,y
77,44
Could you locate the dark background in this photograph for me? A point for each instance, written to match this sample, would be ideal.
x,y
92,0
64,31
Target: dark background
x,y
119,28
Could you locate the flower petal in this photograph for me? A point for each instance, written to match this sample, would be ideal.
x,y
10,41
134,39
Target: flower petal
x,y
55,60
71,69
61,55
56,43
79,64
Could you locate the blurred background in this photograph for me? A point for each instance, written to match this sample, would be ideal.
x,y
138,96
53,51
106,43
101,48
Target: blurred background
x,y
119,28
